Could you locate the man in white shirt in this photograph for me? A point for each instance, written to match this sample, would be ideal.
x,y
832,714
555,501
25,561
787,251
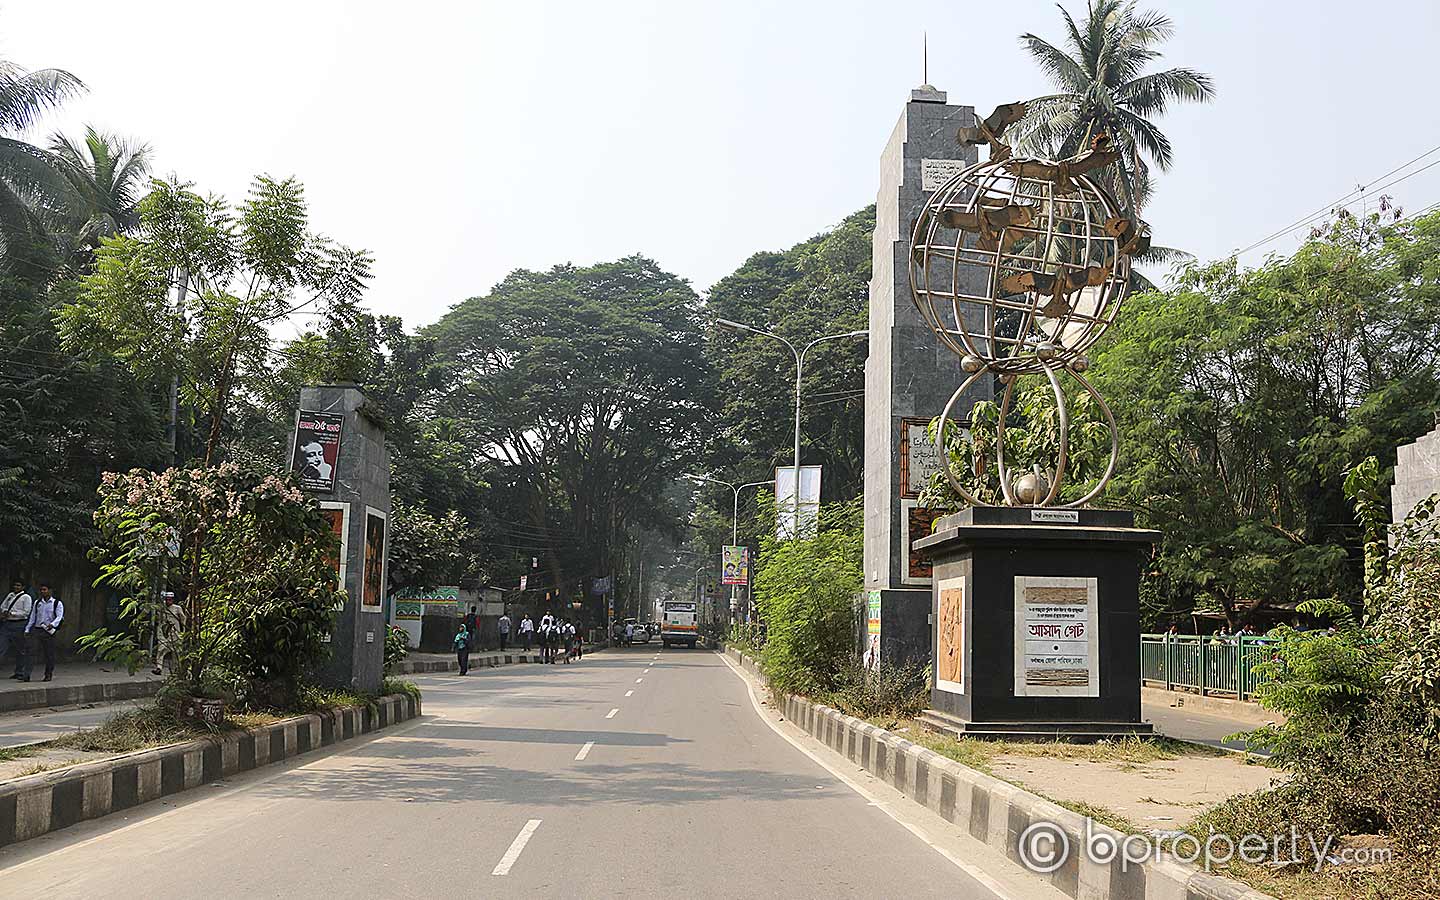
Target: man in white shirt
x,y
14,614
45,618
504,626
527,632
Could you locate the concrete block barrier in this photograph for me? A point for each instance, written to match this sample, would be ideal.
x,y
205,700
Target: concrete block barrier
x,y
38,804
43,696
1000,814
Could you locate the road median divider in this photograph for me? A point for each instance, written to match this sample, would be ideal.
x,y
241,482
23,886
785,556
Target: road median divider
x,y
1078,856
38,804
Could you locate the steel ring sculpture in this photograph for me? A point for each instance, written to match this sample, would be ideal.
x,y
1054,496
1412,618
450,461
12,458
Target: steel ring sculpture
x,y
1019,264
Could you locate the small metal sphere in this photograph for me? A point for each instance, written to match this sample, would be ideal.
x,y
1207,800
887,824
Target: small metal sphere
x,y
1031,488
1008,377
1080,363
1046,350
971,364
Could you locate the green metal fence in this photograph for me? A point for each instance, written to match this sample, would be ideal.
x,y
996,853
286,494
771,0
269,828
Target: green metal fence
x,y
1205,664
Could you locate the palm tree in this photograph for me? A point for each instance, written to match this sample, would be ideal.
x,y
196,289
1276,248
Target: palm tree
x,y
1103,89
106,175
34,194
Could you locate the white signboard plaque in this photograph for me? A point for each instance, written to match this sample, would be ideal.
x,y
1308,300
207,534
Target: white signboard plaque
x,y
1057,637
935,172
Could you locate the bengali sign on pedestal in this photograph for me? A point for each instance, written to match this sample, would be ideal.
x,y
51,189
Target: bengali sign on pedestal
x,y
1057,637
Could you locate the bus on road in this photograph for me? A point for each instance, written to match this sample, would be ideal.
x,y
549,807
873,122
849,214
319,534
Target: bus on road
x,y
678,625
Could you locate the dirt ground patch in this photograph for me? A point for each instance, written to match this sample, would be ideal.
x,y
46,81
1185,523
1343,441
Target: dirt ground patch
x,y
1158,795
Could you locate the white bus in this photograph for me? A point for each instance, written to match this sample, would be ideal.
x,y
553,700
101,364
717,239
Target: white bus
x,y
678,626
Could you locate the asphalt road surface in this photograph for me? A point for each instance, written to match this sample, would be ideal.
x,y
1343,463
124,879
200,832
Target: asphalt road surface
x,y
638,772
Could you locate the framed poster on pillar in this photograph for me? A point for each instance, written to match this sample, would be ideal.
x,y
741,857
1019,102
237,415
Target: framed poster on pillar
x,y
950,635
372,589
337,515
1057,636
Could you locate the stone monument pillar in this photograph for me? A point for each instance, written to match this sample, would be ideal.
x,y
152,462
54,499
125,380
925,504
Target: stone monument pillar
x,y
908,377
340,454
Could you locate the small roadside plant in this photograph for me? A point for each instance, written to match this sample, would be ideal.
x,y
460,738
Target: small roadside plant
x,y
397,647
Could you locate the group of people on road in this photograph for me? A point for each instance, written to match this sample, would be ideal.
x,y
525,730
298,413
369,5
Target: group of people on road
x,y
559,639
22,616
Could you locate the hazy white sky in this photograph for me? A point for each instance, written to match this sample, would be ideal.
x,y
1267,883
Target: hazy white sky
x,y
458,141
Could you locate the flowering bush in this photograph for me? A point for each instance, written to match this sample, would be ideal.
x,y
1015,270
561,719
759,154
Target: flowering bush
x,y
250,560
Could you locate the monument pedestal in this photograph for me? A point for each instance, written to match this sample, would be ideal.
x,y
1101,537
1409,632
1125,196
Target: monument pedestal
x,y
1037,623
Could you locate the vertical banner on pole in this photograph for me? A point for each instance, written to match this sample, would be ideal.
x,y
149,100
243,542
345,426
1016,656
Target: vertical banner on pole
x,y
735,565
794,518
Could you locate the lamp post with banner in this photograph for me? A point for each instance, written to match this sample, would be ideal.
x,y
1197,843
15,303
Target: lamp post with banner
x,y
734,523
799,354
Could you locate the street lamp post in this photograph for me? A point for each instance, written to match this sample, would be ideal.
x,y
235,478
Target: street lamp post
x,y
799,355
734,515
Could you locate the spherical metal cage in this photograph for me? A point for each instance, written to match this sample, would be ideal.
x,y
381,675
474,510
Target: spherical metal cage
x,y
1015,263
1019,265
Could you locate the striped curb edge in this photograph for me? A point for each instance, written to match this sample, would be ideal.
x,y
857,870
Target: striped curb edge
x,y
998,813
49,801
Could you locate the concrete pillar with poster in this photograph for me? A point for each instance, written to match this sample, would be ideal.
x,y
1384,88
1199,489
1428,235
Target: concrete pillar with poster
x,y
340,456
908,378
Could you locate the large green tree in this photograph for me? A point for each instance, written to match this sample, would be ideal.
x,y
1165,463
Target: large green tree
x,y
1102,87
582,390
35,196
108,175
1244,396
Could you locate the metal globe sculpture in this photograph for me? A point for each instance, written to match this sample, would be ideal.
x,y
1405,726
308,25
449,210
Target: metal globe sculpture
x,y
1018,265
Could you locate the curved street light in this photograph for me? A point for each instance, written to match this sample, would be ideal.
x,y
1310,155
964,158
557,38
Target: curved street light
x,y
739,327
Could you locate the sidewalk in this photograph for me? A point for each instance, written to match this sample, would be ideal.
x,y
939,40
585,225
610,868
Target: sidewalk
x,y
75,682
1199,726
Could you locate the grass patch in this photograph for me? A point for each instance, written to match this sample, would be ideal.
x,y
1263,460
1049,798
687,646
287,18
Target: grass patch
x,y
978,754
136,729
10,754
399,686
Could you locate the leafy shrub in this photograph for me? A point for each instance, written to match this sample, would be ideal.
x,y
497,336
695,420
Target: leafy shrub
x,y
886,691
806,590
397,647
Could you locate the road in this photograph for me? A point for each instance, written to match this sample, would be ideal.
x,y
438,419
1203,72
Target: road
x,y
639,772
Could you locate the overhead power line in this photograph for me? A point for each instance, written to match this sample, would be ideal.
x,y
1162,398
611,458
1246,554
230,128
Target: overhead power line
x,y
1337,202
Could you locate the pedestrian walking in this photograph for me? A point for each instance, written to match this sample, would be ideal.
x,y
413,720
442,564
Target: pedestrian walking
x,y
472,625
462,648
504,626
527,632
576,640
14,614
629,633
45,617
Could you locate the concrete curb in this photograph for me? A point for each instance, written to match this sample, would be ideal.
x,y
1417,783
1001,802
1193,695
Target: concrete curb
x,y
38,804
427,666
998,812
75,694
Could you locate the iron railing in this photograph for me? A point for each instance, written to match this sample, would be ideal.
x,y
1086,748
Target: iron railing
x,y
1204,663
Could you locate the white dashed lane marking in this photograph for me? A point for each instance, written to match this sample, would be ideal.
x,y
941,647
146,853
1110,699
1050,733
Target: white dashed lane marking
x,y
629,692
517,846
584,751
611,713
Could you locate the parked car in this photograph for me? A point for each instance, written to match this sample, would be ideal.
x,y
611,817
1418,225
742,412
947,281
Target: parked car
x,y
642,634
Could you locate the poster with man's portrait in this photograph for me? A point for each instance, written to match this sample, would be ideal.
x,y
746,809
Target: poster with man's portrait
x,y
317,449
372,593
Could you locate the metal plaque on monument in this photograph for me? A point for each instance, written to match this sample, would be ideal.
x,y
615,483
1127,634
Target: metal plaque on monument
x,y
1018,265
340,454
908,378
